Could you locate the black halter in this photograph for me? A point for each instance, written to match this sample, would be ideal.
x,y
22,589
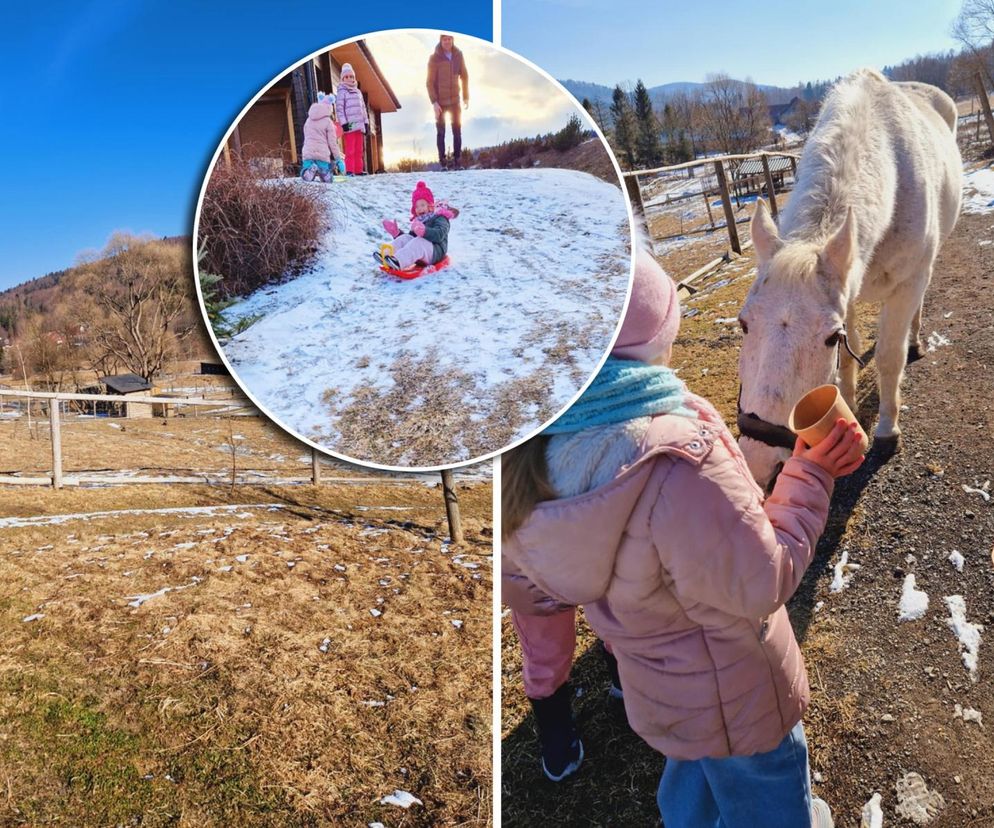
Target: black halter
x,y
778,436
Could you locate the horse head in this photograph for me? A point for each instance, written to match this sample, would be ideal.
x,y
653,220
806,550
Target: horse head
x,y
793,323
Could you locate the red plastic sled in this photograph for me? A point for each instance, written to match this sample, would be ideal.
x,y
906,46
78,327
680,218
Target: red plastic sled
x,y
415,271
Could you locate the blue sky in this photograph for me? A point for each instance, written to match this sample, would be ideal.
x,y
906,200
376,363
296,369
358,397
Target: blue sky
x,y
110,110
775,42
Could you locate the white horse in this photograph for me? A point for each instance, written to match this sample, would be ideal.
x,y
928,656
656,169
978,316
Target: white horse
x,y
878,191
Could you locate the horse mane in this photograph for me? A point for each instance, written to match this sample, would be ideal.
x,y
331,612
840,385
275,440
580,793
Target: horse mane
x,y
837,152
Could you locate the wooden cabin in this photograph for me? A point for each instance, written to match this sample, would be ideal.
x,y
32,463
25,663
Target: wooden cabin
x,y
271,133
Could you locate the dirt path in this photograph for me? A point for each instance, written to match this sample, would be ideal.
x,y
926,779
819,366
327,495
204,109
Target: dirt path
x,y
883,692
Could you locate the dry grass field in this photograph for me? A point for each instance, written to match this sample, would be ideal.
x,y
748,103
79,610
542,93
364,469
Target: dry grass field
x,y
252,655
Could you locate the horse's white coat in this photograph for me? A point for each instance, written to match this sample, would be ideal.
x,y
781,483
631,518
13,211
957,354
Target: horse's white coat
x,y
878,191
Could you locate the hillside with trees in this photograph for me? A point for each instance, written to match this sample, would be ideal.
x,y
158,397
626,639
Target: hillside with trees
x,y
131,307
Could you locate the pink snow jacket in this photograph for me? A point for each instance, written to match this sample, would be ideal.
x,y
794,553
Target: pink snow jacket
x,y
320,138
684,570
351,108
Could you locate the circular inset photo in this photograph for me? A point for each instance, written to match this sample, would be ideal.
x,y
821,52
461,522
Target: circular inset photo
x,y
414,249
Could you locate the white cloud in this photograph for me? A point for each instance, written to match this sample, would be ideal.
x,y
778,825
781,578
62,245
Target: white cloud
x,y
508,99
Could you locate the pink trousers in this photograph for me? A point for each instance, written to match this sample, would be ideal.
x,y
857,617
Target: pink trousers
x,y
547,644
354,146
410,249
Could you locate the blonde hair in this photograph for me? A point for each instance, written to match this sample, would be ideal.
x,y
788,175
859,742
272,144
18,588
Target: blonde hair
x,y
524,483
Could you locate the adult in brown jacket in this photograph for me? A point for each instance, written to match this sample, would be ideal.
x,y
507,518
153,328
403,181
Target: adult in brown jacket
x,y
446,72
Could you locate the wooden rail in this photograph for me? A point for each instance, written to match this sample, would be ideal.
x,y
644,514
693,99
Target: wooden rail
x,y
58,480
736,247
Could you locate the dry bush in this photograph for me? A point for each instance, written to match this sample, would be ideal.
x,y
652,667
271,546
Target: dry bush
x,y
254,231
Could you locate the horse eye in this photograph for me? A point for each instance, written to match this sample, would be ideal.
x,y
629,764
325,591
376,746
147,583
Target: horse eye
x,y
743,325
833,339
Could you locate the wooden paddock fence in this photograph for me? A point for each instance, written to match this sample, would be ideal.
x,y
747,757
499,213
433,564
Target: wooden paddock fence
x,y
717,167
58,480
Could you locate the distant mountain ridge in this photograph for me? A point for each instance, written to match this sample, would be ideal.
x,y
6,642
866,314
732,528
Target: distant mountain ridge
x,y
659,94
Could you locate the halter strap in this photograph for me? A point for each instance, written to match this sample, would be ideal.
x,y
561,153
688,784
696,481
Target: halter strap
x,y
778,436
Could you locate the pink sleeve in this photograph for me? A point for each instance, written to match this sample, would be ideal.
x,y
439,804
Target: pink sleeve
x,y
723,547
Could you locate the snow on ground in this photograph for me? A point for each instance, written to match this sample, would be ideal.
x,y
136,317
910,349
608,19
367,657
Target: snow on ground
x,y
956,559
402,799
978,191
914,602
873,815
843,573
538,279
184,511
966,633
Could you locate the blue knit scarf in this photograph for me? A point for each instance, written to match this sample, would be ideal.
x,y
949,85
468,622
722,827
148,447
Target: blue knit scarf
x,y
623,390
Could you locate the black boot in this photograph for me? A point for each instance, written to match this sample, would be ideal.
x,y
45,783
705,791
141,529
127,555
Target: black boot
x,y
615,691
562,750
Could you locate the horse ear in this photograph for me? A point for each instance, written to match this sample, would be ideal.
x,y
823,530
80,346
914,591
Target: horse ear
x,y
764,233
840,248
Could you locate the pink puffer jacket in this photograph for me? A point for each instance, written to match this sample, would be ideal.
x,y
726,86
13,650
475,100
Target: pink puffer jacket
x,y
351,108
680,565
320,137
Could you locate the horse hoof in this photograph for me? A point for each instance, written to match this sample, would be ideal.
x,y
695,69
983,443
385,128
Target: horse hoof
x,y
914,353
886,446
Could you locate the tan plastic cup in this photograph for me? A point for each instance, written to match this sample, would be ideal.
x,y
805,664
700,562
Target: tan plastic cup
x,y
816,413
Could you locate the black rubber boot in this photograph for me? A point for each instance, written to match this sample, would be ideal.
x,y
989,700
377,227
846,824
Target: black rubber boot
x,y
615,691
562,750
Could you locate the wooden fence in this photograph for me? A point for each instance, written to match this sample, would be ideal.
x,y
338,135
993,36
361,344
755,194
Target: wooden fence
x,y
54,401
717,167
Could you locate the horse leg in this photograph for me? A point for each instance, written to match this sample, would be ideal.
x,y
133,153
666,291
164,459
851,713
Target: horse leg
x,y
915,349
849,371
891,355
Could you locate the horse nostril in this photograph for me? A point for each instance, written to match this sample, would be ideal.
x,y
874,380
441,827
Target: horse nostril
x,y
773,480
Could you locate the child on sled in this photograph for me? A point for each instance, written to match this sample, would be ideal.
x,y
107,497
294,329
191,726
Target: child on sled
x,y
428,239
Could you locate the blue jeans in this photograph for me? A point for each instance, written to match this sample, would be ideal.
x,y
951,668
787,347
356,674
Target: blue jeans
x,y
766,790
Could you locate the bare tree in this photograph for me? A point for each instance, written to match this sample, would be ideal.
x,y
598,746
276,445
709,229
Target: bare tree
x,y
144,290
974,28
735,114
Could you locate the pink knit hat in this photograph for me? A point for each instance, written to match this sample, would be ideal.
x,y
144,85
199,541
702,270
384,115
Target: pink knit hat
x,y
653,316
421,191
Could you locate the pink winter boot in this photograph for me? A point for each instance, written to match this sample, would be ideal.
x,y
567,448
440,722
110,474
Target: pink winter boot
x,y
391,227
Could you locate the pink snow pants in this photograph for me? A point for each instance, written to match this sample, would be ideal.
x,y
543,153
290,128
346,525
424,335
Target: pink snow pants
x,y
410,249
547,644
354,147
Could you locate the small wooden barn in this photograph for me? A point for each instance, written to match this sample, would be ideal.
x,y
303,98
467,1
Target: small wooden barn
x,y
271,132
749,176
125,385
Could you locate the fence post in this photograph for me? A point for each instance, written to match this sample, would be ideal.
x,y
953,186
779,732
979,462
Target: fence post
x,y
634,192
986,104
452,507
56,431
770,189
315,467
726,202
707,203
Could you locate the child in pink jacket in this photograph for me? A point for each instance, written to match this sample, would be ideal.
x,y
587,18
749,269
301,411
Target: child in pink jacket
x,y
638,505
354,118
321,142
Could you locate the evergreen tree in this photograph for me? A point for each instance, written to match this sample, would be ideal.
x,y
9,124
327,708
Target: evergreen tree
x,y
625,127
647,141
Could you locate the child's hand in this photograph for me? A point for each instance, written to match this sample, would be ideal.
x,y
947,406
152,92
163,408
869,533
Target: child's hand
x,y
391,227
839,453
417,228
438,111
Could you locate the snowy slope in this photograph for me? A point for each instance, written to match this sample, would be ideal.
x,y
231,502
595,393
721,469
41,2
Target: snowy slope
x,y
455,364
